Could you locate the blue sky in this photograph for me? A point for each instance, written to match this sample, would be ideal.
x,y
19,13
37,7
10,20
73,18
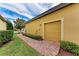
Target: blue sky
x,y
11,11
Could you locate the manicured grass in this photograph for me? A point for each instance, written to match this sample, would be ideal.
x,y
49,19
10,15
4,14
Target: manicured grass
x,y
17,48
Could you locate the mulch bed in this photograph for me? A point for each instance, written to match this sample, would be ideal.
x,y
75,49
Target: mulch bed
x,y
64,53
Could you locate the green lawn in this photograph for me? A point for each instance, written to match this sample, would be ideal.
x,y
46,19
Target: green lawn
x,y
17,48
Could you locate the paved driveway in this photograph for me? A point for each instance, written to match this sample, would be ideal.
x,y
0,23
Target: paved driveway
x,y
43,47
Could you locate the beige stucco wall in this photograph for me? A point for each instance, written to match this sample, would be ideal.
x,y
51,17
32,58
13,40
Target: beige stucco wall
x,y
2,25
70,15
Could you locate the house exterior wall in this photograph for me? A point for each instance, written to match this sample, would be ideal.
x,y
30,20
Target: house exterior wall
x,y
70,16
2,25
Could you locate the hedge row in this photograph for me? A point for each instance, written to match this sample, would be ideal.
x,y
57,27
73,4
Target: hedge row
x,y
36,37
70,47
5,36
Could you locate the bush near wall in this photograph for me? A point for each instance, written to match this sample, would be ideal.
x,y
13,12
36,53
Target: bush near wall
x,y
36,37
70,47
5,36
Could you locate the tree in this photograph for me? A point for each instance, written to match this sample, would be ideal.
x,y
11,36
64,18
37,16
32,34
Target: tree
x,y
9,25
19,24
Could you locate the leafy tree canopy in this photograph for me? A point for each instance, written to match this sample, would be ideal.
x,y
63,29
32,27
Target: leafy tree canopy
x,y
19,23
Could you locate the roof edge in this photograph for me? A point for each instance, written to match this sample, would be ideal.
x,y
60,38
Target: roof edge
x,y
2,18
59,6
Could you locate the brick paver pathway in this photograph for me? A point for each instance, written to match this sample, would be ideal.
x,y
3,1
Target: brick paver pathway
x,y
43,47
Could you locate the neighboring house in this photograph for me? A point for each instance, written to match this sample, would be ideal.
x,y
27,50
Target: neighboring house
x,y
59,23
2,23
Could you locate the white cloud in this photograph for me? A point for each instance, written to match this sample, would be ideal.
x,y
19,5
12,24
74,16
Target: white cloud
x,y
16,9
6,15
26,9
35,8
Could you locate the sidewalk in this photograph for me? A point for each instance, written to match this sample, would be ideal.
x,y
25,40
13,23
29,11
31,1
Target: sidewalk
x,y
43,47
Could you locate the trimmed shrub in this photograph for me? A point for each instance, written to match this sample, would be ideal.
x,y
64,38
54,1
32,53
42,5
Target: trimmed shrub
x,y
70,47
5,36
36,37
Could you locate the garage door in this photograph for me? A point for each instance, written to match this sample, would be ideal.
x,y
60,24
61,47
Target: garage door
x,y
52,31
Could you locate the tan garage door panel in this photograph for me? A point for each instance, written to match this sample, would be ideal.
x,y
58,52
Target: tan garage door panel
x,y
52,31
